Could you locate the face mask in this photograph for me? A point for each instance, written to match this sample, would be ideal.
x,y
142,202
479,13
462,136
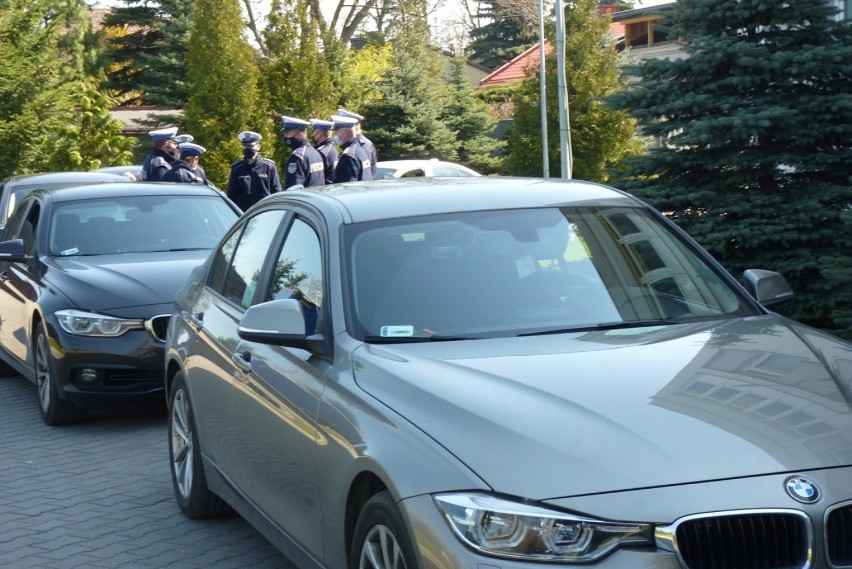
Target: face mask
x,y
290,141
248,153
337,140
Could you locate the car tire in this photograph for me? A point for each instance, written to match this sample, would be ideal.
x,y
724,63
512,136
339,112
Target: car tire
x,y
54,411
188,479
381,540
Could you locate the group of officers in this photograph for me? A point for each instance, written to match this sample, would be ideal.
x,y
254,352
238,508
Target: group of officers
x,y
176,158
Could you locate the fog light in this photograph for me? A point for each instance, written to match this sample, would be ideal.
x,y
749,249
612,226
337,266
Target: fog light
x,y
88,376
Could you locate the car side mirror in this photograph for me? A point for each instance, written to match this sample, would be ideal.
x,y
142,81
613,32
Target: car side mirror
x,y
277,322
13,251
767,287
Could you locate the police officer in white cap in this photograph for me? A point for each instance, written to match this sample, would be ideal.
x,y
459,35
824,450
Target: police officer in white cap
x,y
183,138
305,166
365,142
324,143
254,177
186,169
353,164
160,159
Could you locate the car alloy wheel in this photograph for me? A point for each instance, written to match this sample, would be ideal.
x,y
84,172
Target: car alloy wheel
x,y
190,484
54,411
380,536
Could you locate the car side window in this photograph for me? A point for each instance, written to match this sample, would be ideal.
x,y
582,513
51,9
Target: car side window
x,y
448,171
298,271
418,173
238,281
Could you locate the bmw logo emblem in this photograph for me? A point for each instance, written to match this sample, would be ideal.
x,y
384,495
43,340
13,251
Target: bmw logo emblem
x,y
802,490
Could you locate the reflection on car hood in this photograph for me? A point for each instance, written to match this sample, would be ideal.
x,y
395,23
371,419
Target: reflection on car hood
x,y
566,415
112,282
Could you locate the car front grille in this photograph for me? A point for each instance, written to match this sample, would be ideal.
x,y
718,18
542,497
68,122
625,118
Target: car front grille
x,y
838,536
158,325
745,540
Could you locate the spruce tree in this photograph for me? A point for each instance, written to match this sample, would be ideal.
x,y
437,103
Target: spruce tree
x,y
222,83
404,121
148,62
601,137
469,118
756,132
504,37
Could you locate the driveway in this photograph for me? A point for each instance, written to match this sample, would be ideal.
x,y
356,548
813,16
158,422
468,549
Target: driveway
x,y
98,495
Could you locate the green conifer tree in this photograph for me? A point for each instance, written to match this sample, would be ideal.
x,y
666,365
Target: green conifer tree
x,y
296,78
149,65
470,119
756,126
45,98
502,38
601,137
404,121
222,83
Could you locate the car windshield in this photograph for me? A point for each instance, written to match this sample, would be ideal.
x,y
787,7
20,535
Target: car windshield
x,y
138,224
529,271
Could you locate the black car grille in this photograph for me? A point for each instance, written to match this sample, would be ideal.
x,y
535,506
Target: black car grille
x,y
838,536
759,540
158,325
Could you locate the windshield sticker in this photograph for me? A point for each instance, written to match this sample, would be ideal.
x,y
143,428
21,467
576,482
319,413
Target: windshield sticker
x,y
525,266
397,331
72,251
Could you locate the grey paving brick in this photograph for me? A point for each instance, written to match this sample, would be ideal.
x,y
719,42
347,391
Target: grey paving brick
x,y
98,495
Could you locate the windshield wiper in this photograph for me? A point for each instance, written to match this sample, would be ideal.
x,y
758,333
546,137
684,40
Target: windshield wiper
x,y
602,326
411,339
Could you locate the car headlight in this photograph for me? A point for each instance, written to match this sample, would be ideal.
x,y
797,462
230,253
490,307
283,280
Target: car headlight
x,y
515,530
90,324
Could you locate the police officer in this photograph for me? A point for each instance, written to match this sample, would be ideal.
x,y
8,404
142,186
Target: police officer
x,y
160,159
365,142
305,166
353,164
321,135
186,169
254,177
184,138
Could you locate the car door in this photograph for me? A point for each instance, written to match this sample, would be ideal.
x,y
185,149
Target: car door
x,y
20,283
277,397
214,316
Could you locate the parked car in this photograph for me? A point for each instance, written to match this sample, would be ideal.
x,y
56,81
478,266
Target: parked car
x,y
391,169
14,188
88,276
494,372
134,170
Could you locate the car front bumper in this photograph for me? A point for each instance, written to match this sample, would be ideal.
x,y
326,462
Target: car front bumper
x,y
126,367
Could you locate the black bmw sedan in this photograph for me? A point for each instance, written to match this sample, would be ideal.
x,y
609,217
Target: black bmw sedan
x,y
87,282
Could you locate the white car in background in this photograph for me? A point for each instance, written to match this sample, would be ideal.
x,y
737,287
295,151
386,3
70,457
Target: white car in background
x,y
391,169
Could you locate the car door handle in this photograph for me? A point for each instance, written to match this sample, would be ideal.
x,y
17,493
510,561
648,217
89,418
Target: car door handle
x,y
243,361
196,319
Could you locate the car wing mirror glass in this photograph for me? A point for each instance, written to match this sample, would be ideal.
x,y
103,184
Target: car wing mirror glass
x,y
12,250
277,322
767,287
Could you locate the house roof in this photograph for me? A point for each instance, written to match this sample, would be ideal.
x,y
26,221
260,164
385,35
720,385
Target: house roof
x,y
517,68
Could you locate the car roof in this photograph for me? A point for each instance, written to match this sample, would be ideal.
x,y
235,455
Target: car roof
x,y
57,178
386,199
415,162
128,188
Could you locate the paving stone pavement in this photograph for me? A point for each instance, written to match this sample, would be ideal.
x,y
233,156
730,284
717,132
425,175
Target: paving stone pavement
x,y
99,495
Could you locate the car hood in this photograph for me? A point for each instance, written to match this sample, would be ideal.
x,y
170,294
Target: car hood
x,y
572,414
114,282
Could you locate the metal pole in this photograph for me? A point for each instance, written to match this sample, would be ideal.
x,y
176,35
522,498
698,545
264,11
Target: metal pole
x,y
545,159
564,125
